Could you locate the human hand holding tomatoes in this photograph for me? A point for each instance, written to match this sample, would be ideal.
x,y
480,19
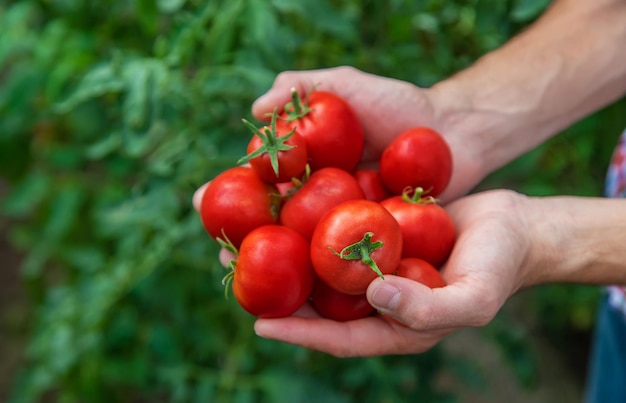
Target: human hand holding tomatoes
x,y
490,261
385,107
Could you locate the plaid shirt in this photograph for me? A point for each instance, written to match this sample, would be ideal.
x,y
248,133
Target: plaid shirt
x,y
616,187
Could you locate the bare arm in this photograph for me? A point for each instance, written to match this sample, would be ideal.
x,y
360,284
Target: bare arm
x,y
571,62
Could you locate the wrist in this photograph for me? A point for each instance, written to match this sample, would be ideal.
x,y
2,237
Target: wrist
x,y
466,133
576,240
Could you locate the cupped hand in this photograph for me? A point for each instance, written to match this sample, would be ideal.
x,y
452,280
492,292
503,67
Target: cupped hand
x,y
488,264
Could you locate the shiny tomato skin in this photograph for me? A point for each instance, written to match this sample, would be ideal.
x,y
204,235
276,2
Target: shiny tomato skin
x,y
238,201
345,225
335,305
325,189
291,163
428,231
332,131
273,273
421,271
418,157
372,184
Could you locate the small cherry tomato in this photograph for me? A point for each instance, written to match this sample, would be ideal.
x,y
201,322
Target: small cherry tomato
x,y
421,271
428,231
276,153
353,244
372,185
273,276
237,201
419,157
330,127
323,190
335,305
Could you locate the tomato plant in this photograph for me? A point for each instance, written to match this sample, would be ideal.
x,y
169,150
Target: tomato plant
x,y
276,153
428,231
418,157
330,127
371,184
335,305
323,190
353,243
272,275
237,201
421,271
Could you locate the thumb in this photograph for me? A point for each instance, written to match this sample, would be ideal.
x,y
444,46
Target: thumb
x,y
422,308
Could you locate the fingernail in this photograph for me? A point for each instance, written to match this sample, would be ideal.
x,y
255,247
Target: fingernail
x,y
386,297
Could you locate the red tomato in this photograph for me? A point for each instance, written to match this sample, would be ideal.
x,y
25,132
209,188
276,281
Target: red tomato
x,y
421,271
419,157
324,190
353,243
428,231
372,185
276,154
330,127
335,305
236,202
273,276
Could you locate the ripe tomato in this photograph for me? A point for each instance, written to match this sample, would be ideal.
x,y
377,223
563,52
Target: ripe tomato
x,y
419,157
353,243
372,185
237,201
276,153
330,127
273,276
421,271
338,306
323,190
428,231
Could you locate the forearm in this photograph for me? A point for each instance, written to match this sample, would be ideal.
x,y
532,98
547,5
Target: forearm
x,y
567,65
577,240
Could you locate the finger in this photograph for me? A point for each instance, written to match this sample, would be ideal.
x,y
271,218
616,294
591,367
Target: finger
x,y
280,92
197,196
302,81
422,308
366,337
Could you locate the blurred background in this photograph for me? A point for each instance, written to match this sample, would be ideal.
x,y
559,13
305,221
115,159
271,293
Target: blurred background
x,y
113,112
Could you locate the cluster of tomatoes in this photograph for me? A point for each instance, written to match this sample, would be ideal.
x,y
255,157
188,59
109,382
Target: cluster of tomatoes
x,y
305,223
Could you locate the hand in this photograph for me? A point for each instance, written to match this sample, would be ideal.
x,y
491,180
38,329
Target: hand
x,y
489,263
386,107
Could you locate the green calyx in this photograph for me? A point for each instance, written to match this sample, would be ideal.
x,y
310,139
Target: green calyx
x,y
417,196
297,108
272,144
228,278
362,251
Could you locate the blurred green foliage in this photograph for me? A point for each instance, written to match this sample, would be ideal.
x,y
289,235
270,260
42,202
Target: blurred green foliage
x,y
113,112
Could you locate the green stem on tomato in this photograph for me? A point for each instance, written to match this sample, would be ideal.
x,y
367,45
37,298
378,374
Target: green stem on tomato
x,y
228,278
362,251
272,144
418,196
